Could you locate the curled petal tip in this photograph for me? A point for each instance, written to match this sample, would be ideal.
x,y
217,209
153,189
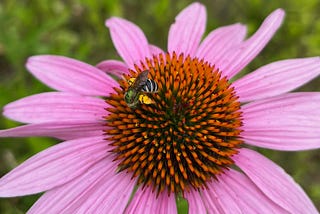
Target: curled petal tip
x,y
280,13
109,21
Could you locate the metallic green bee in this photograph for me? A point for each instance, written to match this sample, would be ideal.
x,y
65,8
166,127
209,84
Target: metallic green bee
x,y
138,85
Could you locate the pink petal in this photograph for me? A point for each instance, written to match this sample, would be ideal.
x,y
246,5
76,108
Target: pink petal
x,y
219,200
70,197
113,67
166,204
63,130
233,192
129,40
195,202
185,34
215,202
146,201
277,78
242,55
286,122
274,182
119,68
53,167
217,44
111,195
246,195
70,75
56,106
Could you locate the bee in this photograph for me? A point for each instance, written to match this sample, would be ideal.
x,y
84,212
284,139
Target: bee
x,y
138,85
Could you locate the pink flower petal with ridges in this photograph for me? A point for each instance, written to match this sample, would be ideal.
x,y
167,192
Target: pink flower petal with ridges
x,y
111,196
70,75
129,40
195,202
55,107
287,122
146,201
212,201
274,182
245,194
73,195
166,204
113,67
53,167
240,56
218,200
65,130
143,202
233,192
217,44
185,34
277,78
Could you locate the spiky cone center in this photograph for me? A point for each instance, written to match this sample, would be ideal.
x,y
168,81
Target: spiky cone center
x,y
187,136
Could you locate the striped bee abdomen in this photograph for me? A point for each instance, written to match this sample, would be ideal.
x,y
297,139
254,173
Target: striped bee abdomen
x,y
150,86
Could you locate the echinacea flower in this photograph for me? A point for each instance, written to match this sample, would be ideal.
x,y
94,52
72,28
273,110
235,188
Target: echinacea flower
x,y
189,141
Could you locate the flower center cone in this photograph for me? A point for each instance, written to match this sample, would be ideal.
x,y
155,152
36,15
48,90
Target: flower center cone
x,y
186,136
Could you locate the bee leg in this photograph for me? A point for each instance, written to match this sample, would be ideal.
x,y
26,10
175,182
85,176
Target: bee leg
x,y
144,99
131,81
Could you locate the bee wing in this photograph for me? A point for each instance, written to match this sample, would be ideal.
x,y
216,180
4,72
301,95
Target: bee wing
x,y
141,80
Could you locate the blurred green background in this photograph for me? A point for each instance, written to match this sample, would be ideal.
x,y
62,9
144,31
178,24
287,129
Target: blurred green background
x,y
76,29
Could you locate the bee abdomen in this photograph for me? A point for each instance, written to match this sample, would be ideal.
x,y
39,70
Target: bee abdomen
x,y
150,86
